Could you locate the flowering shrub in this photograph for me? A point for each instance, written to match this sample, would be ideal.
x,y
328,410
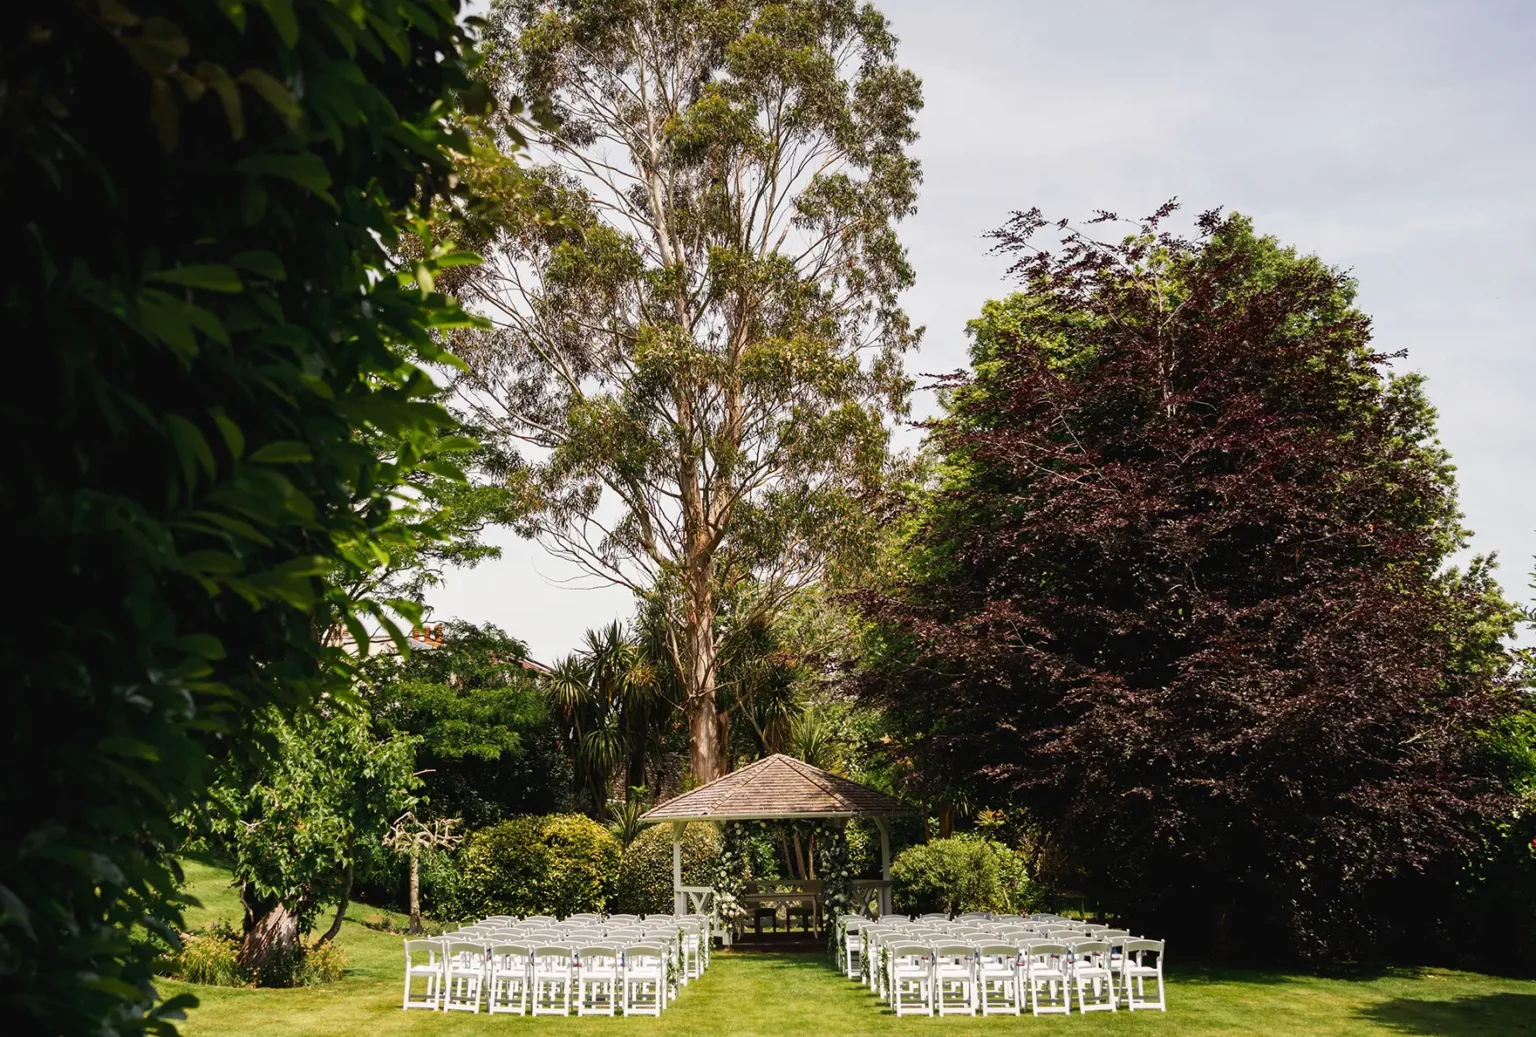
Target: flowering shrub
x,y
323,964
209,957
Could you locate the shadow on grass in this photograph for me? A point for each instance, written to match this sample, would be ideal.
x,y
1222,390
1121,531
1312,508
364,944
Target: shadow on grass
x,y
1200,973
1481,1015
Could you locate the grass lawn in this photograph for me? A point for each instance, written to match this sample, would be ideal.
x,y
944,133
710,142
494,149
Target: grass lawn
x,y
782,996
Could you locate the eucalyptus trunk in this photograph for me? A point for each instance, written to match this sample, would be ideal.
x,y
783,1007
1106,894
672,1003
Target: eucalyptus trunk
x,y
706,746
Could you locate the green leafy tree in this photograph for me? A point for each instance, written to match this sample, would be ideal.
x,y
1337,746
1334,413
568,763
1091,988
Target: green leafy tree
x,y
698,331
643,882
486,741
293,819
959,873
203,267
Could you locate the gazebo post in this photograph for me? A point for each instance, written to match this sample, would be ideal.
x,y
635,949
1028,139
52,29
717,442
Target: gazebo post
x,y
885,864
678,908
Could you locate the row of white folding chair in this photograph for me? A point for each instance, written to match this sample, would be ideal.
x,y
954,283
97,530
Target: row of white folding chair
x,y
975,924
688,932
545,978
600,979
999,977
686,940
956,978
870,938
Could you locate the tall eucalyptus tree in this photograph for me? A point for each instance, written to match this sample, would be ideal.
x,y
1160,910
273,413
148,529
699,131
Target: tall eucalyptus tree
x,y
698,334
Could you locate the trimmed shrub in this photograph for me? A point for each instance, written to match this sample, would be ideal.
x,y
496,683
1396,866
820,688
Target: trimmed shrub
x,y
582,858
962,873
644,881
559,864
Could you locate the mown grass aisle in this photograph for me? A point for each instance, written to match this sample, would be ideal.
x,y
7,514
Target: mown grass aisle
x,y
754,995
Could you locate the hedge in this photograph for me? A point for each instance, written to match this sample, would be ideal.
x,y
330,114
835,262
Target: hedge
x,y
962,873
556,864
644,881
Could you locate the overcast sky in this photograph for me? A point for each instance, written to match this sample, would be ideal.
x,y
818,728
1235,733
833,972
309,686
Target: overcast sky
x,y
1396,139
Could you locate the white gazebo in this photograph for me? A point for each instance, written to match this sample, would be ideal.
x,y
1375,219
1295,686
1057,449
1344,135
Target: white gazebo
x,y
779,788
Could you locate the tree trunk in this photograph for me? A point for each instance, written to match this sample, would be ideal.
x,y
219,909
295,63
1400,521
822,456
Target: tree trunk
x,y
341,904
635,775
416,929
797,866
272,936
706,754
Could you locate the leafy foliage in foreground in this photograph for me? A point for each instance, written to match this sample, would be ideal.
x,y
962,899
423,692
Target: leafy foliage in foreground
x,y
200,198
1179,594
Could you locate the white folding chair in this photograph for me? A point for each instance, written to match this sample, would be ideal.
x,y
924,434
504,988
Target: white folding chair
x,y
1136,971
877,948
911,978
463,975
430,970
666,936
997,978
852,945
1045,978
1091,976
509,965
644,979
553,973
870,963
954,978
597,979
692,960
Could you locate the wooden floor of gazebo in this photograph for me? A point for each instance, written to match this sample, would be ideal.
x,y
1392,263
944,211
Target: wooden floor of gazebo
x,y
780,943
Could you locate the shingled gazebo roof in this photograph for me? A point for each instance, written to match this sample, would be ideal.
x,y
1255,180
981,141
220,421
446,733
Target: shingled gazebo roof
x,y
778,786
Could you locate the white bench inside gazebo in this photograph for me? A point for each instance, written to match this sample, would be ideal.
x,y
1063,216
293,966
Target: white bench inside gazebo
x,y
779,788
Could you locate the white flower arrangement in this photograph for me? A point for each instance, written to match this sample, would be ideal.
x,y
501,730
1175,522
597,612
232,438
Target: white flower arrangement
x,y
729,907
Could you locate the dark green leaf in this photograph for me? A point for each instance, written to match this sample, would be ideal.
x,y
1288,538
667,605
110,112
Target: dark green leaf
x,y
213,277
282,452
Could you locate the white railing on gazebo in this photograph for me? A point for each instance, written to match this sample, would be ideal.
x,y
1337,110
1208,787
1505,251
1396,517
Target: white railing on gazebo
x,y
872,897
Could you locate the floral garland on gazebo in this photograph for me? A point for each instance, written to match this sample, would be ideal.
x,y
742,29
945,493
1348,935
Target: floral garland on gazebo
x,y
829,859
729,869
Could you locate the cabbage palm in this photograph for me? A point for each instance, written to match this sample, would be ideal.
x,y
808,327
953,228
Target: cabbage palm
x,y
608,698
